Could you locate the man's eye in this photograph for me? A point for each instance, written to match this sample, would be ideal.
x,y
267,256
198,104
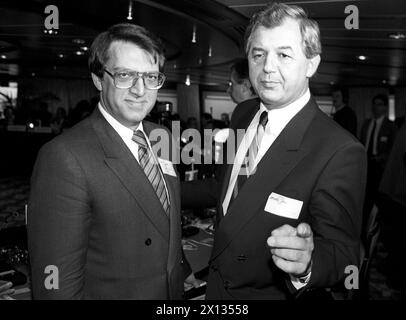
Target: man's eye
x,y
284,55
257,55
152,77
123,75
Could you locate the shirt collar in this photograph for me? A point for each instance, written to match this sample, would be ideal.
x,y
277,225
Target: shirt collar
x,y
123,131
288,111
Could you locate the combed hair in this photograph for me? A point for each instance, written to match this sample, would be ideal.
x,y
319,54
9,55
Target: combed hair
x,y
274,14
137,35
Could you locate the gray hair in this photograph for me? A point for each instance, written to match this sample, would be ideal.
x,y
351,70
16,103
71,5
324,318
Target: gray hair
x,y
275,14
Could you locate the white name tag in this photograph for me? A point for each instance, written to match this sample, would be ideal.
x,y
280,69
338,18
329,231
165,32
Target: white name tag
x,y
283,206
167,167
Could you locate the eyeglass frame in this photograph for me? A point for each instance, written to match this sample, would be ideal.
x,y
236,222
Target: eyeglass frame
x,y
139,75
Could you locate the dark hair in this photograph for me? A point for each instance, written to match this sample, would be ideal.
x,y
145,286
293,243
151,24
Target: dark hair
x,y
240,66
343,90
141,37
275,14
382,97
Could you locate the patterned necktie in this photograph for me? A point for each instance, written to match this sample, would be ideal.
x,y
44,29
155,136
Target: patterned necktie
x,y
252,152
151,169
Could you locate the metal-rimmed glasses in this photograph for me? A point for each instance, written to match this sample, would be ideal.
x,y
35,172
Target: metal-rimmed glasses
x,y
127,79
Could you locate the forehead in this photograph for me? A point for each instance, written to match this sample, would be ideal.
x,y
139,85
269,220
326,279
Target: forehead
x,y
127,55
285,35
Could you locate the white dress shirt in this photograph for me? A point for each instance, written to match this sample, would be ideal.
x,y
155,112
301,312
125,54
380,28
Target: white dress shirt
x,y
277,121
375,137
126,134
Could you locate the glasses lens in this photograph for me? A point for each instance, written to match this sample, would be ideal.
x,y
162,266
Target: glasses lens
x,y
123,80
153,80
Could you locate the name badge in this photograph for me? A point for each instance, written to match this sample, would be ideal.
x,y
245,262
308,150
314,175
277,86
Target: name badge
x,y
167,167
283,206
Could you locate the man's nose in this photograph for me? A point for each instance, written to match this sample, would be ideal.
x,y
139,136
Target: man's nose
x,y
270,64
138,87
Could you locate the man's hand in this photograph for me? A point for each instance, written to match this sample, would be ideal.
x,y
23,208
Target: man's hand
x,y
5,289
192,282
292,248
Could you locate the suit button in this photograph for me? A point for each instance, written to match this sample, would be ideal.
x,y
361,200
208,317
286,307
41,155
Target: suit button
x,y
241,257
226,284
148,242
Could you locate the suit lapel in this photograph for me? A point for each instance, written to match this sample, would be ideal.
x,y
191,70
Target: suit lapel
x,y
284,154
121,161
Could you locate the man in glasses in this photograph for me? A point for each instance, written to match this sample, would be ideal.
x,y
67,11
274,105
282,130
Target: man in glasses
x,y
104,210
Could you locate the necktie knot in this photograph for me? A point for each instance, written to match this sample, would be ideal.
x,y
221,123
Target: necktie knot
x,y
263,119
140,139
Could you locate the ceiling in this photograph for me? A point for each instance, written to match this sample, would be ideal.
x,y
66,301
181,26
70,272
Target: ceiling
x,y
26,51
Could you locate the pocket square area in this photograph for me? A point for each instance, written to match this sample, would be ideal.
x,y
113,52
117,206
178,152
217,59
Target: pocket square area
x,y
283,206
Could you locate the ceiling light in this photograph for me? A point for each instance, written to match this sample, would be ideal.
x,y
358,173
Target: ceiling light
x,y
384,81
3,56
84,48
210,52
79,53
130,10
194,34
61,55
187,82
362,58
397,36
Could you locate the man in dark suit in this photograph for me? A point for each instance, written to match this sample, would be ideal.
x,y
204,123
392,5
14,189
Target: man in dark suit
x,y
377,134
104,209
343,114
290,208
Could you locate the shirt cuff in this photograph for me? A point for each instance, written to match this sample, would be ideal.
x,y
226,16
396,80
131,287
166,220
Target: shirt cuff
x,y
299,283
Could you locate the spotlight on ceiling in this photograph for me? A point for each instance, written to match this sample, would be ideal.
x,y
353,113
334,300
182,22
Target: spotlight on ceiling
x,y
3,56
130,10
194,34
362,58
79,53
187,82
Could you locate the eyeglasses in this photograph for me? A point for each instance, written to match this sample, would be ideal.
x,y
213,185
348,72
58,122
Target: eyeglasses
x,y
127,79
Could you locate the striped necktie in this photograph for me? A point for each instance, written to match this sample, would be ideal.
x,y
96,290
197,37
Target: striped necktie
x,y
151,169
249,162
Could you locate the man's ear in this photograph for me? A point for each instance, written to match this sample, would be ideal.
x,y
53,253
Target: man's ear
x,y
247,86
313,65
97,82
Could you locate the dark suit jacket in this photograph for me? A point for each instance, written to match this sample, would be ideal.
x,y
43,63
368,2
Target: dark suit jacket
x,y
315,161
346,118
386,137
94,214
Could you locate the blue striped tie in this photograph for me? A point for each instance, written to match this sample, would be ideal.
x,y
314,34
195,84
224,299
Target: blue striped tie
x,y
151,168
